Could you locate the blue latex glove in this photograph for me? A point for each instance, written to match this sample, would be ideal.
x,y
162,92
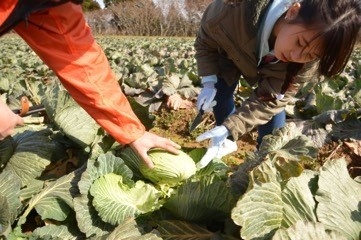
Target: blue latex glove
x,y
205,98
219,145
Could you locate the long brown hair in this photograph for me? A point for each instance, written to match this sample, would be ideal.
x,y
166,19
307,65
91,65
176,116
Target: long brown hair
x,y
339,23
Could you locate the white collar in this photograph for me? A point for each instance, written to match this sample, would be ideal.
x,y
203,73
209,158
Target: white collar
x,y
274,12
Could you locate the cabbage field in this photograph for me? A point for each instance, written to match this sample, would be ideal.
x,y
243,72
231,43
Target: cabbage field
x,y
63,177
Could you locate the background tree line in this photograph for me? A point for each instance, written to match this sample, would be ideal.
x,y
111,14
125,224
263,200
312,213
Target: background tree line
x,y
144,18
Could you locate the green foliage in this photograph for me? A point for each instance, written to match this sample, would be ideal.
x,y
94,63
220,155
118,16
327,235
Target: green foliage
x,y
90,5
279,192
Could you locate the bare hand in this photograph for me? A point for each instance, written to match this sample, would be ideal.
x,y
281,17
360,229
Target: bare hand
x,y
149,140
8,121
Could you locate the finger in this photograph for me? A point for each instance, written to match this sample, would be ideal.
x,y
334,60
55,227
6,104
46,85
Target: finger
x,y
204,136
171,146
209,100
227,147
200,102
19,120
147,161
208,157
210,107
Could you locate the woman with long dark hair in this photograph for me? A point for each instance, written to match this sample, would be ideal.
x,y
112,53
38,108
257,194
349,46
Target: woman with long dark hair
x,y
276,45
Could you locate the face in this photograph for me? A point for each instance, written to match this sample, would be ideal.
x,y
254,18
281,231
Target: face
x,y
294,43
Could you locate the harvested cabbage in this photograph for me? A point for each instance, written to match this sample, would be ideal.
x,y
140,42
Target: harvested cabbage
x,y
169,169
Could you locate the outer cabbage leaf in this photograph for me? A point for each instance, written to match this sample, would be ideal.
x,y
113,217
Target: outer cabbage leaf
x,y
347,129
239,180
339,199
307,231
216,167
130,230
207,199
116,201
7,148
33,153
4,215
71,119
298,199
10,185
142,113
132,160
287,148
271,203
88,219
333,116
55,232
180,230
106,163
328,101
314,130
56,200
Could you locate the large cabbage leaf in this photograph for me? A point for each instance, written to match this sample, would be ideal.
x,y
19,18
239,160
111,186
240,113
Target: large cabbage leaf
x,y
70,118
4,215
272,203
203,200
131,230
55,201
55,232
10,185
88,219
7,148
339,199
182,230
116,201
307,231
287,148
87,216
34,151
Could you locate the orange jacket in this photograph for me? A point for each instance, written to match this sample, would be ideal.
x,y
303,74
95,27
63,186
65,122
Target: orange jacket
x,y
62,39
6,7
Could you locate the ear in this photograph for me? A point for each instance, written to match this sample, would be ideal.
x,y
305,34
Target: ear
x,y
292,11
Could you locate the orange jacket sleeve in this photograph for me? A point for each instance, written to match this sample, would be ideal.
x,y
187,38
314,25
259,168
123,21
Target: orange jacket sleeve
x,y
6,7
63,40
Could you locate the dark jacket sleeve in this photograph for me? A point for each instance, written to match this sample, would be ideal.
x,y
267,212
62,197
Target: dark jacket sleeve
x,y
254,111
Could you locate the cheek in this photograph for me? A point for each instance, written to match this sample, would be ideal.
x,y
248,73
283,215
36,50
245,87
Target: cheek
x,y
278,48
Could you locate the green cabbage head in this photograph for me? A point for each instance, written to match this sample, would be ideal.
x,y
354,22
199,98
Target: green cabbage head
x,y
169,169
